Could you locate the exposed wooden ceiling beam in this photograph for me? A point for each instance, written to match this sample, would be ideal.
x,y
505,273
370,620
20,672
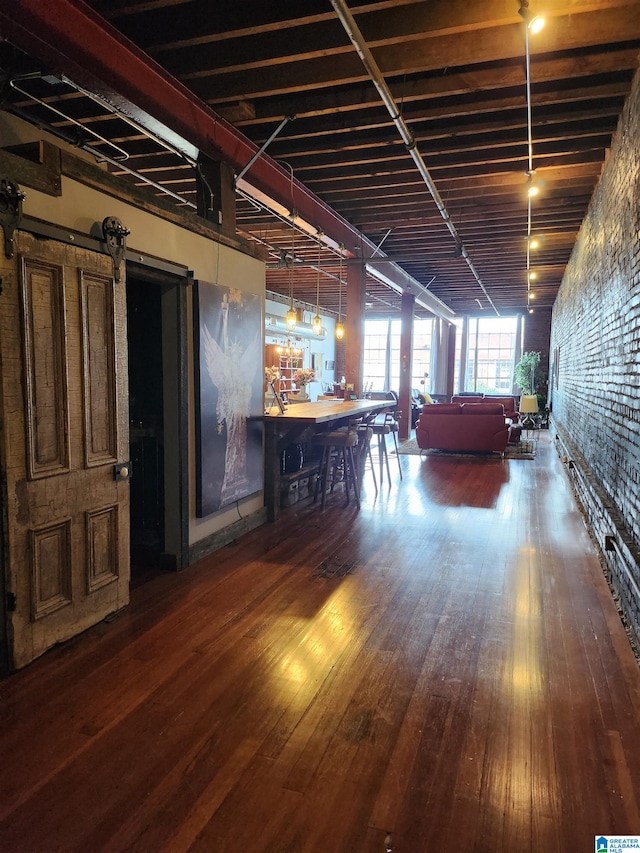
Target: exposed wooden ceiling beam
x,y
499,43
451,84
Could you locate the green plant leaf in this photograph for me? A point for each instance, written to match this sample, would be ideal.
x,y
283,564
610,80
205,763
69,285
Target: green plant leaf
x,y
526,372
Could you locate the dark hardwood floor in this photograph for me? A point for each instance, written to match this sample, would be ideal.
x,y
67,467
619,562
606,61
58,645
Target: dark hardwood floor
x,y
445,669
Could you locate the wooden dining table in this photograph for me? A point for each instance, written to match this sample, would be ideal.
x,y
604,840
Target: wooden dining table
x,y
298,423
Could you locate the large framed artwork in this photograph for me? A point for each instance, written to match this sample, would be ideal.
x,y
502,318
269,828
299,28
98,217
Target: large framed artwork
x,y
229,392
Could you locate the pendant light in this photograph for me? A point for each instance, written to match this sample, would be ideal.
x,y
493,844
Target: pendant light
x,y
291,318
339,324
316,323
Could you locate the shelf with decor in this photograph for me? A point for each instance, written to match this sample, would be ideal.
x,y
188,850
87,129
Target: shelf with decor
x,y
287,359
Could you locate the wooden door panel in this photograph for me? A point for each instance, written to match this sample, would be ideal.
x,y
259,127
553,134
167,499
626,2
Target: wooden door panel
x,y
99,381
43,333
64,401
51,582
102,545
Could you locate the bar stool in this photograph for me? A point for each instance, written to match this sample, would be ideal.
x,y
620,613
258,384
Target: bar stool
x,y
365,434
337,451
382,429
392,419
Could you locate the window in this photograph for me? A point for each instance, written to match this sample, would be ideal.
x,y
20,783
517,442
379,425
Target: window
x,y
421,364
382,354
394,355
459,324
376,334
490,354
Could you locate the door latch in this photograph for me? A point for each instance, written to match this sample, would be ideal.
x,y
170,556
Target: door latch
x,y
122,472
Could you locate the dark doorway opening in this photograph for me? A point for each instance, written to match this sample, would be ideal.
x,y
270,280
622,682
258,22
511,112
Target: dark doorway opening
x,y
146,429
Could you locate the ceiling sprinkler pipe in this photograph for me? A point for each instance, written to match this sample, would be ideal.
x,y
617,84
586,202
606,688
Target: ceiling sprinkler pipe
x,y
357,39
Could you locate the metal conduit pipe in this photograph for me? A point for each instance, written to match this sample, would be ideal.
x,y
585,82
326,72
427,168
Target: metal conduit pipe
x,y
357,39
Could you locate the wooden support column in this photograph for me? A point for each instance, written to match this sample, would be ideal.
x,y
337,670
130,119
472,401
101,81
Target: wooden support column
x,y
406,360
354,325
216,194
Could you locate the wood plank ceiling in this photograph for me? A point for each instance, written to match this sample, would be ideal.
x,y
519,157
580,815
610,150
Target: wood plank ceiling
x,y
457,72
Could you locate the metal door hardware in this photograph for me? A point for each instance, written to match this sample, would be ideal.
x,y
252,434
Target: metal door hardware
x,y
115,237
10,211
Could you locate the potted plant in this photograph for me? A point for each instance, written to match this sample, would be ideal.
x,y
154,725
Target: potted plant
x,y
302,377
530,378
525,372
272,374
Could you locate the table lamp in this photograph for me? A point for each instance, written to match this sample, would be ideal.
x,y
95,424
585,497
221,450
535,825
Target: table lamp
x,y
528,407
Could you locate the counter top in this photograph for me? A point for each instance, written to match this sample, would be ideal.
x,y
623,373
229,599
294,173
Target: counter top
x,y
326,410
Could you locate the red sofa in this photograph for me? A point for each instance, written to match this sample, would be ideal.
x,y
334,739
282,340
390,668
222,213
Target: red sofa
x,y
510,404
463,427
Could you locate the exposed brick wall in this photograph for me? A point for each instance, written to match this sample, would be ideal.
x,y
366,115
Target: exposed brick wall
x,y
595,348
620,556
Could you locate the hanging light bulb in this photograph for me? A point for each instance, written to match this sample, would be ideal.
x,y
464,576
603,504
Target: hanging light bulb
x,y
339,324
536,24
316,323
291,318
532,186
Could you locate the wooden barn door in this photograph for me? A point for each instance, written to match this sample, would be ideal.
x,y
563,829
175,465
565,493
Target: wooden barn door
x,y
64,429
